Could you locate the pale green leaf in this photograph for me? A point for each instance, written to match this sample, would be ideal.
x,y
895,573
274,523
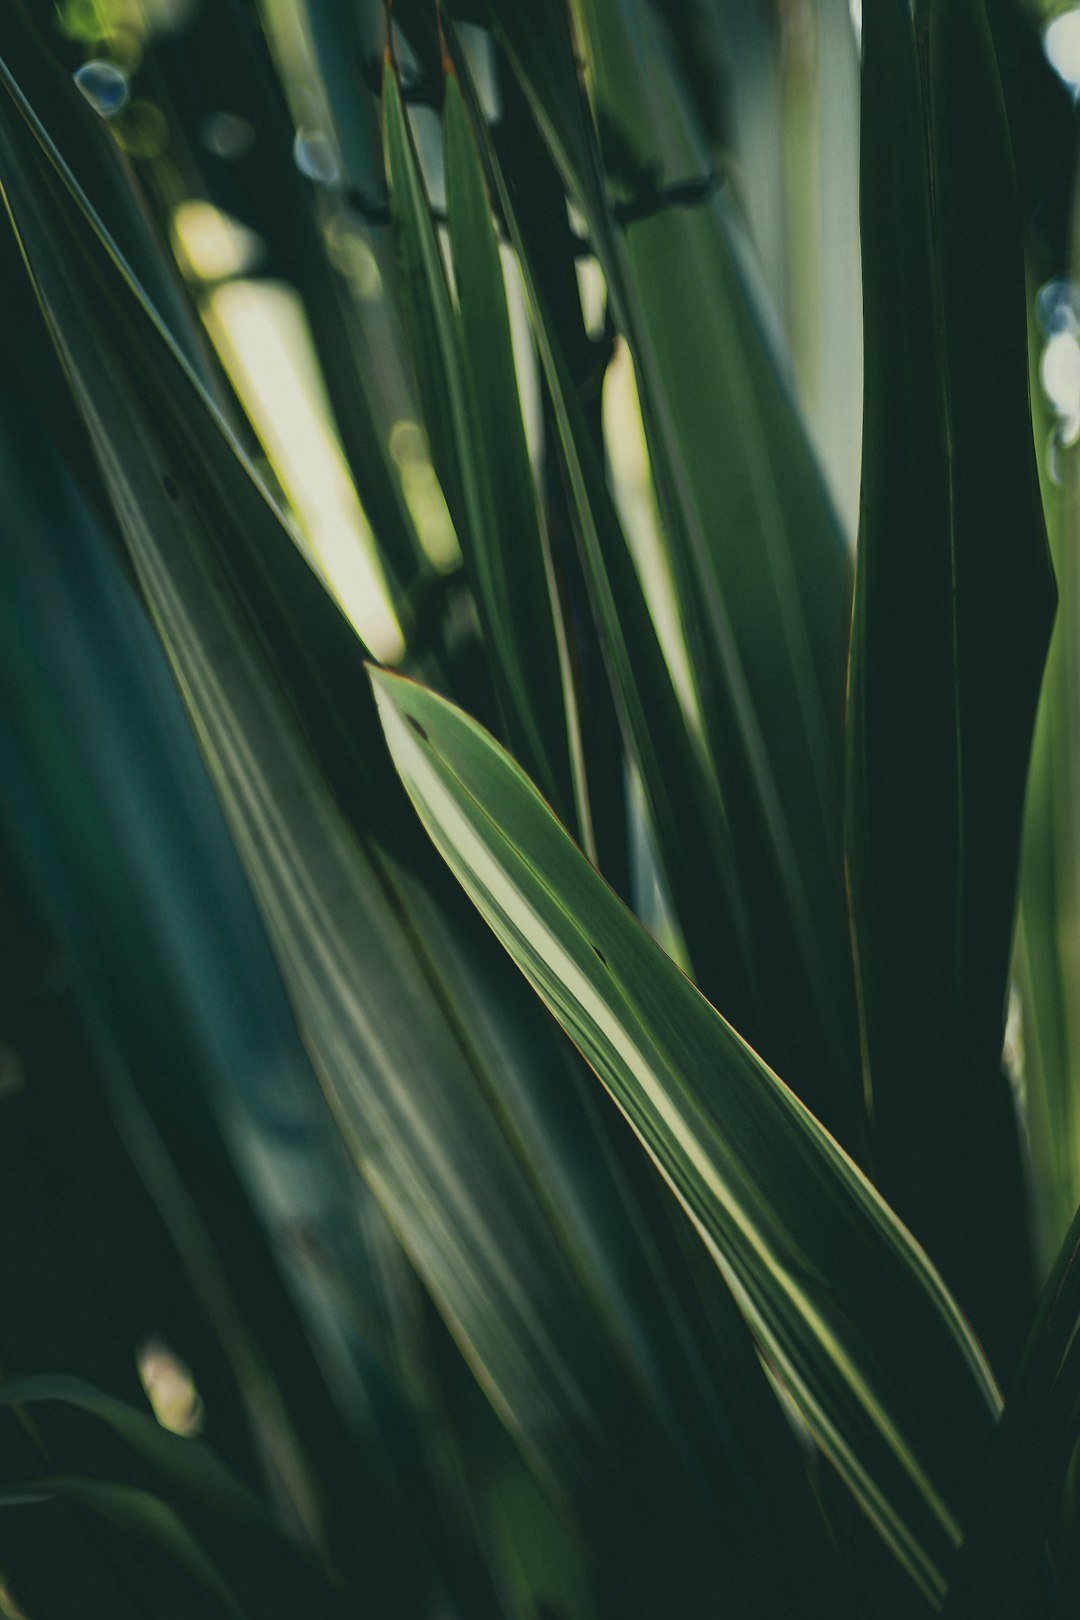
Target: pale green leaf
x,y
844,1303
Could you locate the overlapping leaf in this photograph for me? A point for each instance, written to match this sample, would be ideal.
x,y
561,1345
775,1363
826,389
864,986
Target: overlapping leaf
x,y
106,782
1021,1491
844,1303
681,789
223,1531
953,608
143,1518
760,567
465,368
519,1263
263,187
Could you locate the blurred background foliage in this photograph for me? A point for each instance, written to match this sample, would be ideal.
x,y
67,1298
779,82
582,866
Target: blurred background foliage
x,y
355,1213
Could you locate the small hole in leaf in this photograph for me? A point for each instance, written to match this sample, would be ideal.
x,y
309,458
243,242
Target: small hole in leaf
x,y
600,954
417,727
171,490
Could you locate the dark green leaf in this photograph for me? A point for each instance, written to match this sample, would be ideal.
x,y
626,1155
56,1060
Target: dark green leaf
x,y
682,793
759,565
142,1516
954,602
447,1121
474,420
1035,1441
515,572
183,1468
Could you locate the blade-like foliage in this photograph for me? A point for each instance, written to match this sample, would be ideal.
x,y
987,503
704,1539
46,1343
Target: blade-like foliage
x,y
147,1520
761,571
478,288
681,790
954,600
1021,1490
520,1264
1047,935
182,1467
521,568
220,1524
465,370
843,1301
119,822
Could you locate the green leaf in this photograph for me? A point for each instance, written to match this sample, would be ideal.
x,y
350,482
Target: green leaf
x,y
265,189
515,573
429,318
465,368
761,571
1021,1490
683,795
1046,964
844,1303
219,1517
181,1465
227,1121
1047,961
142,1516
954,601
467,1140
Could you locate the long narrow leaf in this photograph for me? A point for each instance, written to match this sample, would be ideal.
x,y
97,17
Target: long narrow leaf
x,y
1033,1447
145,1518
760,568
233,1531
518,575
843,1301
682,792
475,425
953,609
528,1284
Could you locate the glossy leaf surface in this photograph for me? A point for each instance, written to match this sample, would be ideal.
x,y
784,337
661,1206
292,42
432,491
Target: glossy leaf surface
x,y
842,1300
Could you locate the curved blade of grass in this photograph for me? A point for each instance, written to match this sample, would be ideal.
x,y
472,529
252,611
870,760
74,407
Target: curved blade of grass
x,y
518,574
1046,963
737,1379
854,1319
143,1516
529,1287
682,793
184,1467
428,313
954,602
1042,121
104,173
474,422
225,1521
264,188
124,825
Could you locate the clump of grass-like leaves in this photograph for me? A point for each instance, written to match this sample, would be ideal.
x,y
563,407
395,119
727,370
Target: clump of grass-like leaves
x,y
509,901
